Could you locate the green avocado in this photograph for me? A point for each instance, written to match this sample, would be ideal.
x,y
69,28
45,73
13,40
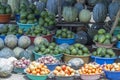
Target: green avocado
x,y
107,42
95,38
108,36
80,52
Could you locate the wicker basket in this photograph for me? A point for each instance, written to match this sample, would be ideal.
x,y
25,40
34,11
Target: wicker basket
x,y
104,45
68,57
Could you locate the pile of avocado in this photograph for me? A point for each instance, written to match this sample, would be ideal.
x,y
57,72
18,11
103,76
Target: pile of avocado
x,y
64,33
104,38
5,9
104,52
77,49
37,31
27,14
47,19
48,48
10,29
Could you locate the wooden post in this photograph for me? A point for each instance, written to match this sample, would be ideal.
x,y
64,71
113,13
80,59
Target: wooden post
x,y
116,22
59,11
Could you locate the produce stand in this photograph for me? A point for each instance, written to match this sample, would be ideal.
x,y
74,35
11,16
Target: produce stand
x,y
32,43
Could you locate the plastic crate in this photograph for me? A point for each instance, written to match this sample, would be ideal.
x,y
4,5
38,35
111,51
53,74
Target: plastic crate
x,y
65,40
102,61
112,75
25,27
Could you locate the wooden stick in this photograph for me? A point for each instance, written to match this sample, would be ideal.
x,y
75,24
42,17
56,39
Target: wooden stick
x,y
116,22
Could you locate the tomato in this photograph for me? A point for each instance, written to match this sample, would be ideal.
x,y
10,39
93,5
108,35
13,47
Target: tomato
x,y
63,67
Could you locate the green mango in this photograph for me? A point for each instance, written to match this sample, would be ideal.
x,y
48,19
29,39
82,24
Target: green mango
x,y
99,50
36,49
44,14
85,50
94,53
95,38
24,21
67,51
108,36
30,17
85,54
110,52
64,30
118,36
114,39
64,35
101,38
107,42
101,31
80,52
30,22
69,36
103,52
8,9
74,52
71,47
2,11
37,12
77,45
23,15
107,56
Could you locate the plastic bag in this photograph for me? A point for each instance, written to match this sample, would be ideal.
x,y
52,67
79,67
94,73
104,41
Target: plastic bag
x,y
6,66
6,53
